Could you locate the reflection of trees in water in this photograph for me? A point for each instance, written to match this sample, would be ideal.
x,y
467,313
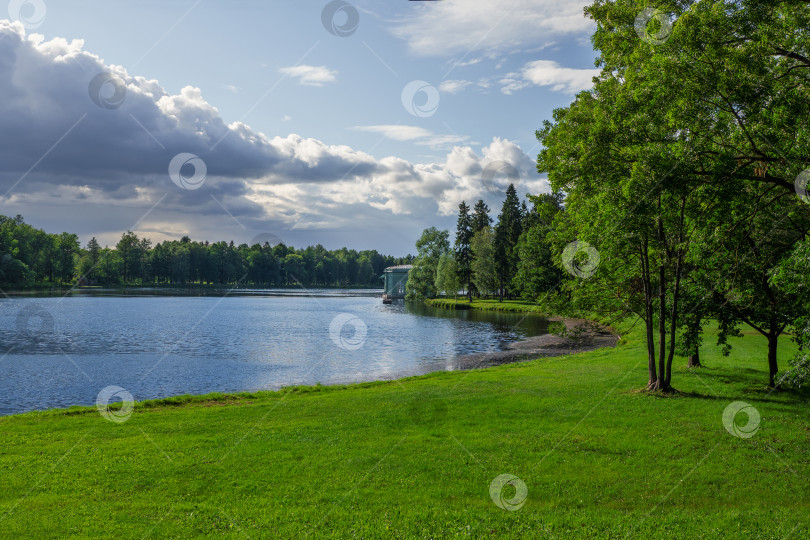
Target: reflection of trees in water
x,y
529,324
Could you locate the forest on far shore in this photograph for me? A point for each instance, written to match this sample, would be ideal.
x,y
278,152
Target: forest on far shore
x,y
30,256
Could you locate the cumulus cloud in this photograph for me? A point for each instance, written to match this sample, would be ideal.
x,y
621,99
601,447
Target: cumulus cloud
x,y
68,163
461,27
310,75
549,73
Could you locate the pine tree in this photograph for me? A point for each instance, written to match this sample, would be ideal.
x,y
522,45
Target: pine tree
x,y
480,217
463,254
507,233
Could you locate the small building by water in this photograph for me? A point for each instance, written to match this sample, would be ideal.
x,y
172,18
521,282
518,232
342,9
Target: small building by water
x,y
394,280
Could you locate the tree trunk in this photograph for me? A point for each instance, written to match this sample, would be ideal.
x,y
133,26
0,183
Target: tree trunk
x,y
648,316
694,360
674,317
662,328
773,368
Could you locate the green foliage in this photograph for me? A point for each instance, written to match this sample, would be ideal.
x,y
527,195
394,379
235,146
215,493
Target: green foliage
x,y
463,252
422,278
577,334
13,271
480,217
447,275
29,256
679,165
485,276
537,270
793,276
507,306
507,233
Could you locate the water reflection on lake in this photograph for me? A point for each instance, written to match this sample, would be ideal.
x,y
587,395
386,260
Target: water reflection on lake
x,y
63,351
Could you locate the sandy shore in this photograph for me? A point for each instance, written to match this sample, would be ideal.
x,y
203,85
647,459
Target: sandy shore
x,y
541,346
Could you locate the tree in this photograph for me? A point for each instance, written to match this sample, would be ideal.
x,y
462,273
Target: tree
x,y
127,248
765,227
31,255
463,254
485,276
422,278
13,271
89,260
792,276
537,271
507,233
293,268
68,247
480,217
447,276
663,160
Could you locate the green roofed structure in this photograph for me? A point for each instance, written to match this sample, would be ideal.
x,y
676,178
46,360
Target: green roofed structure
x,y
394,279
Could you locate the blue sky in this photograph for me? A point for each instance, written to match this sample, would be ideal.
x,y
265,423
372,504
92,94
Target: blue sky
x,y
325,149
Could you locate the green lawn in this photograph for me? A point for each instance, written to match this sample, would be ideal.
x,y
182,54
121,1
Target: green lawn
x,y
415,458
485,304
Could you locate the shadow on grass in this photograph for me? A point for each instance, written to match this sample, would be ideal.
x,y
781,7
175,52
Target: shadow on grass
x,y
747,384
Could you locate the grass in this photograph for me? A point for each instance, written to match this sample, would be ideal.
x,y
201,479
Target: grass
x,y
515,306
415,458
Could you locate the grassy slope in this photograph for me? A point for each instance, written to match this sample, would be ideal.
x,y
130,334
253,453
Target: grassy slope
x,y
486,305
415,458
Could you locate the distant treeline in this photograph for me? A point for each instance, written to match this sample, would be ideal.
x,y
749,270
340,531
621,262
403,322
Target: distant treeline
x,y
30,256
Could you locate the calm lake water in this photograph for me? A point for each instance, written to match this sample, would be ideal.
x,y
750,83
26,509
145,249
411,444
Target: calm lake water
x,y
59,352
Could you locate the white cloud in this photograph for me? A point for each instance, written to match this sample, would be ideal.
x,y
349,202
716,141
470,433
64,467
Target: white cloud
x,y
286,118
310,75
549,73
397,132
437,141
420,135
453,86
109,167
461,27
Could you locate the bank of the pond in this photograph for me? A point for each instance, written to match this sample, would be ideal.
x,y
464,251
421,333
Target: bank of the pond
x,y
580,336
513,306
589,337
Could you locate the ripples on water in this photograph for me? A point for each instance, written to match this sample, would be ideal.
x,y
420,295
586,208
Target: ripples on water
x,y
62,352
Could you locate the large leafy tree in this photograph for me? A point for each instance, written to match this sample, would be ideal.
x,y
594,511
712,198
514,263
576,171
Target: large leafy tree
x,y
128,248
766,224
483,264
537,271
422,278
661,160
447,275
793,277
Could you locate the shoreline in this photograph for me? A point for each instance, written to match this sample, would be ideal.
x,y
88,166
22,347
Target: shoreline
x,y
597,336
542,346
180,290
525,350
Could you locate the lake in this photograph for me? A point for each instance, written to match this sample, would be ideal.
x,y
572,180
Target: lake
x,y
61,351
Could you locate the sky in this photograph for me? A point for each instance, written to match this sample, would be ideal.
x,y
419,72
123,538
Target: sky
x,y
353,124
